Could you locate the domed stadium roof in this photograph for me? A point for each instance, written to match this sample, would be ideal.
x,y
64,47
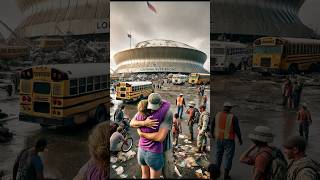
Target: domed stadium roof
x,y
162,43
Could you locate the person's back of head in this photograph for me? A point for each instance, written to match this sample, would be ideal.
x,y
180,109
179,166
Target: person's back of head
x,y
176,115
41,144
296,142
122,107
142,107
99,145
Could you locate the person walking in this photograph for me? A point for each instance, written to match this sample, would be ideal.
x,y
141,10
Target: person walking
x,y
259,154
287,93
180,102
225,127
304,119
28,164
191,111
176,129
296,94
204,99
203,127
301,167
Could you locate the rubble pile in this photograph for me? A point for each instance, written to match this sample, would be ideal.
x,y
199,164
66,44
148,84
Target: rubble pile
x,y
185,157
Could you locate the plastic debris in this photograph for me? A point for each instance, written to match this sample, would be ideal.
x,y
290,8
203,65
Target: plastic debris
x,y
191,162
114,166
182,164
199,171
119,170
177,171
181,136
113,159
123,176
122,157
130,154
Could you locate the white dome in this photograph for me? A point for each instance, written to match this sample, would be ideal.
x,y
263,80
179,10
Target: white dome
x,y
162,43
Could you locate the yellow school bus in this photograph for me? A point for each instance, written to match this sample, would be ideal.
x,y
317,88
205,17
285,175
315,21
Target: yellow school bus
x,y
199,78
288,55
133,91
64,94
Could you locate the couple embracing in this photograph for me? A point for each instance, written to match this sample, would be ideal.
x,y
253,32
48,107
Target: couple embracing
x,y
154,122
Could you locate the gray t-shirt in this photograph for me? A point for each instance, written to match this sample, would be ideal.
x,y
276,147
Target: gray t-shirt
x,y
167,124
115,139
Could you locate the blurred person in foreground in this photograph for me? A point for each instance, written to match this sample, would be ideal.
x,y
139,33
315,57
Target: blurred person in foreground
x,y
97,168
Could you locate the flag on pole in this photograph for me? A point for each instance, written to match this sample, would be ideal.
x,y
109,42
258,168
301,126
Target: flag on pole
x,y
151,7
129,35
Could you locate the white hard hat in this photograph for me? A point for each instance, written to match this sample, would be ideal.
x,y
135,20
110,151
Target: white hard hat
x,y
262,133
227,104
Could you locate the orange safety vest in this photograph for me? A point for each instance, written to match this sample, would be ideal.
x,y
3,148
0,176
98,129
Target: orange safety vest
x,y
179,101
224,126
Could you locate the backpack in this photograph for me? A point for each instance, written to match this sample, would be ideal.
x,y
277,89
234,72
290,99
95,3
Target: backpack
x,y
196,116
278,166
315,168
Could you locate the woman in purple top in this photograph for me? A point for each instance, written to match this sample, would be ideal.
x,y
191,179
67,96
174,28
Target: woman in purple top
x,y
150,153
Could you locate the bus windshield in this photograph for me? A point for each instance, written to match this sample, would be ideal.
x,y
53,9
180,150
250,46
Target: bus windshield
x,y
41,88
268,49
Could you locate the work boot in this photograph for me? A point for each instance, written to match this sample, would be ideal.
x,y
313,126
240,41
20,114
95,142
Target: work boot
x,y
226,174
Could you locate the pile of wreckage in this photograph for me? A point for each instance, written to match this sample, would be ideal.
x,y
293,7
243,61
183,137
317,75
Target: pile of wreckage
x,y
184,157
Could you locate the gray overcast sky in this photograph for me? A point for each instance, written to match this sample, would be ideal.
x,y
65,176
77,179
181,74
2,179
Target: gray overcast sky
x,y
186,22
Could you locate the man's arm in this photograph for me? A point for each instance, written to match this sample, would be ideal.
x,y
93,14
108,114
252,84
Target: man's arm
x,y
15,167
155,136
246,158
151,123
205,122
237,129
165,127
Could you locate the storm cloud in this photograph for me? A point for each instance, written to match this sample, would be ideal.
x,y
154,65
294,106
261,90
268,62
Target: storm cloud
x,y
185,22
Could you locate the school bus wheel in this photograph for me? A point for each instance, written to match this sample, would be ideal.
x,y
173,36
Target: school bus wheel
x,y
101,114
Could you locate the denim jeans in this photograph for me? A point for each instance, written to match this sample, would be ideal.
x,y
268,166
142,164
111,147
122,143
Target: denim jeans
x,y
304,130
180,111
225,146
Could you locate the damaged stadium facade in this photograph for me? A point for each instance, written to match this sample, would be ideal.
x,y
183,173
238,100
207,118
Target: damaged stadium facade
x,y
245,21
160,56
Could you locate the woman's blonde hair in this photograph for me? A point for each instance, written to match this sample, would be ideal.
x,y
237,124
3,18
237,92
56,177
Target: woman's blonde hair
x,y
99,145
142,106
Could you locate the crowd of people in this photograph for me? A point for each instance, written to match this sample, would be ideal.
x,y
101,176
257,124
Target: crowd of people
x,y
159,128
269,162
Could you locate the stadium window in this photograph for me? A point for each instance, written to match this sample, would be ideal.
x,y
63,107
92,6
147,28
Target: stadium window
x,y
89,84
82,85
73,87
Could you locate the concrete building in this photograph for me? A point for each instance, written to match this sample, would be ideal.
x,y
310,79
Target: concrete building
x,y
75,21
160,56
239,20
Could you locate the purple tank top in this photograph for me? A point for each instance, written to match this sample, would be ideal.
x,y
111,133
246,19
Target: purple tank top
x,y
95,173
146,144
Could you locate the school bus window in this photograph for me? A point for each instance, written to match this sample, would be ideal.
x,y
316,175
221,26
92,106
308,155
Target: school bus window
x,y
41,88
73,87
82,85
89,84
97,83
104,83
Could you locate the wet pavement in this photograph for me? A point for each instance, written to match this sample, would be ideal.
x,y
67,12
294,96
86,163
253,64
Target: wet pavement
x,y
259,103
67,147
170,92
